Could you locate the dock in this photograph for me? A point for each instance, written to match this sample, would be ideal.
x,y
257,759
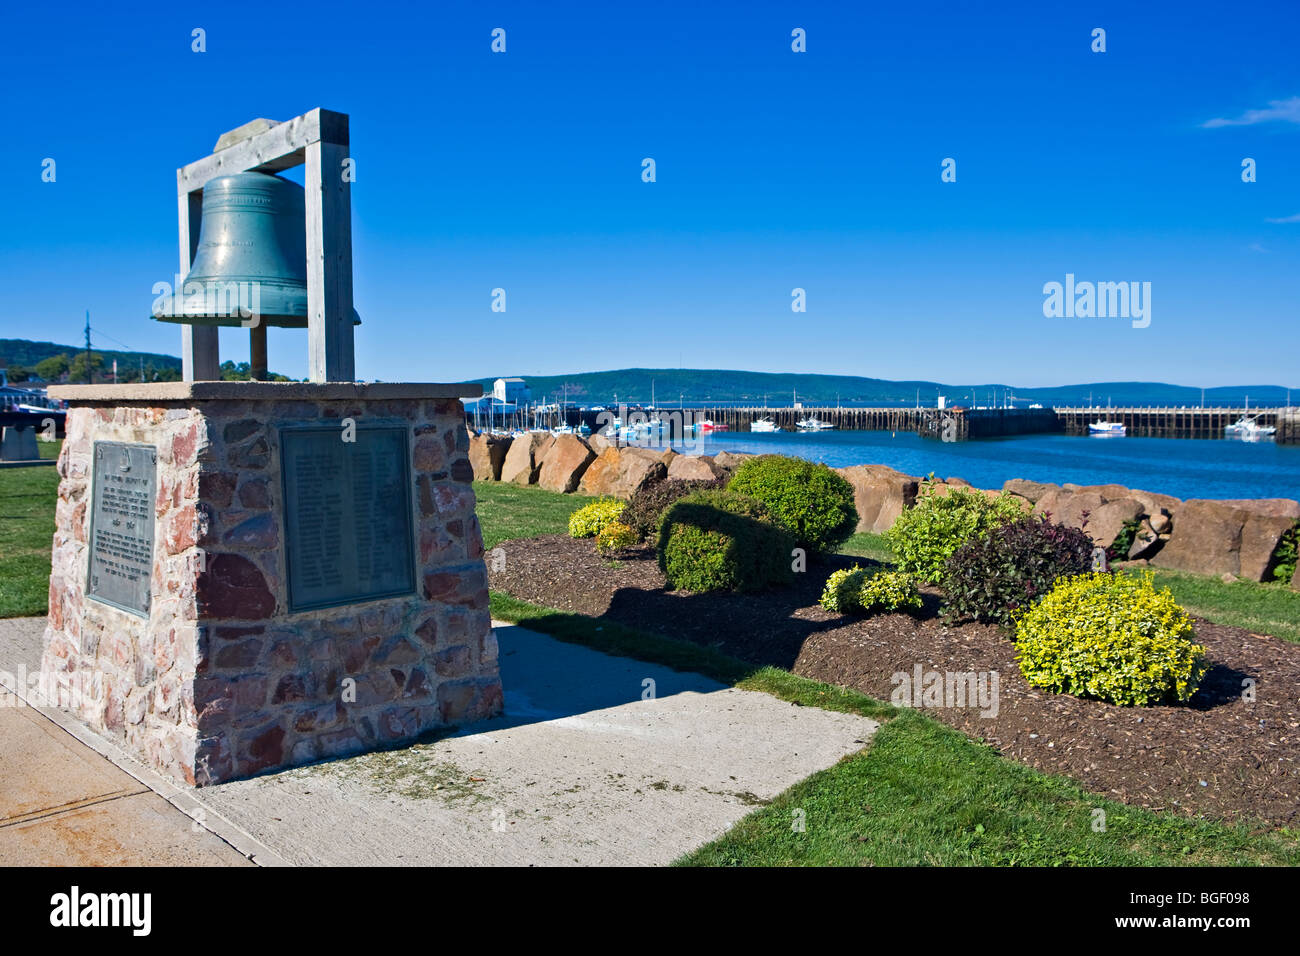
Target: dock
x,y
961,423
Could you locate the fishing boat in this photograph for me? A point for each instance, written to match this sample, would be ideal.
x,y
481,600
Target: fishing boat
x,y
1107,429
764,425
1248,429
813,424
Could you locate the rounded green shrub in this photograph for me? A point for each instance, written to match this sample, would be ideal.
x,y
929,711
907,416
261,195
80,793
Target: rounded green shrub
x,y
616,537
1111,637
854,591
811,501
925,535
588,520
722,541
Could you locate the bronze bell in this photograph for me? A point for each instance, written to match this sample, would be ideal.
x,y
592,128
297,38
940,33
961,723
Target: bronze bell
x,y
251,259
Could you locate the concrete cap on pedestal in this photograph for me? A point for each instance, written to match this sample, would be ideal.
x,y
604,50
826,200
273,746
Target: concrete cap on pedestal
x,y
273,391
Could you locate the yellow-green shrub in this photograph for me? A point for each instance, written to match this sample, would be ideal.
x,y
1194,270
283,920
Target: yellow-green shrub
x,y
616,536
588,520
889,591
853,591
1111,637
841,592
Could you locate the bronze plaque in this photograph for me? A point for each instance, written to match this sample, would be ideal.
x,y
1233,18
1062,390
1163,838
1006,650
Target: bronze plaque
x,y
121,525
347,515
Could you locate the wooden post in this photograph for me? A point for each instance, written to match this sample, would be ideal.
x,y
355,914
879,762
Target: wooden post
x,y
200,348
330,356
257,352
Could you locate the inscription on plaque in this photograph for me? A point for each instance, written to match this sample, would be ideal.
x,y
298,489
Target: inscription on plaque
x,y
347,516
121,525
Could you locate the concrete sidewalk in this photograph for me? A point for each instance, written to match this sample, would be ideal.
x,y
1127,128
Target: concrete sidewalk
x,y
63,804
599,760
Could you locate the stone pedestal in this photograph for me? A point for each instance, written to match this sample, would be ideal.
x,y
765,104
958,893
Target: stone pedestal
x,y
218,671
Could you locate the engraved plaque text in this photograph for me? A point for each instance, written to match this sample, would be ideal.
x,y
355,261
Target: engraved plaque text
x,y
347,515
121,525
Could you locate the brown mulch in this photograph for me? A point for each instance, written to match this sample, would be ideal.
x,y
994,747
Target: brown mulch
x,y
1218,756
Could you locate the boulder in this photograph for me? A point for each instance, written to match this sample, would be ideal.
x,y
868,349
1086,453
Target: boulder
x,y
564,462
1105,524
599,443
880,494
621,472
1031,490
691,468
1146,543
730,460
524,458
1223,537
601,476
486,456
640,467
959,482
1260,537
1268,507
1072,509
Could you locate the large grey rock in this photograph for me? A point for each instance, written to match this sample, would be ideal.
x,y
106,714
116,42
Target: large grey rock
x,y
487,453
1105,524
691,468
880,494
1226,537
564,463
1031,490
524,458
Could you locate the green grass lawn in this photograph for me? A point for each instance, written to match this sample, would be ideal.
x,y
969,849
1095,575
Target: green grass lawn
x,y
27,498
514,511
1263,608
873,547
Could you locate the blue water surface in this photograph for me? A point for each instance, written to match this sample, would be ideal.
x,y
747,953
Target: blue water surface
x,y
1183,467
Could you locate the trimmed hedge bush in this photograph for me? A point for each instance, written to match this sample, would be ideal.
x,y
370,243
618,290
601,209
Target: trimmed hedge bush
x,y
854,591
722,541
646,508
1111,637
841,593
811,501
588,520
890,591
615,537
1010,567
926,534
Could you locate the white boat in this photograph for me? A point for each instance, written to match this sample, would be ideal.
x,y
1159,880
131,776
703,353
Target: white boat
x,y
764,425
1115,429
1247,429
813,424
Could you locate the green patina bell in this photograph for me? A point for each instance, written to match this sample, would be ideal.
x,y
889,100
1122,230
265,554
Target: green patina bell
x,y
251,258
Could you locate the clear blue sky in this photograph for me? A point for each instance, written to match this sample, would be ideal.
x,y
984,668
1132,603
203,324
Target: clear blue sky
x,y
775,170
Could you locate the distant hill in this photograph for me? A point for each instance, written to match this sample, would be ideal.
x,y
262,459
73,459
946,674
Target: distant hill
x,y
28,354
724,386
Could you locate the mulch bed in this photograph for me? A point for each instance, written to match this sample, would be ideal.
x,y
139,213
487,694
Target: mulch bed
x,y
1218,756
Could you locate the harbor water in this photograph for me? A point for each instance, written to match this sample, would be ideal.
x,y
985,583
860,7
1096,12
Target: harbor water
x,y
1185,468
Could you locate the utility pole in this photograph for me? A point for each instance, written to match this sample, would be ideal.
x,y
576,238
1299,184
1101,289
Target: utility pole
x,y
88,375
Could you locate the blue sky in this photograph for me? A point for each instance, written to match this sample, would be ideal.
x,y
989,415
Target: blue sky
x,y
775,170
